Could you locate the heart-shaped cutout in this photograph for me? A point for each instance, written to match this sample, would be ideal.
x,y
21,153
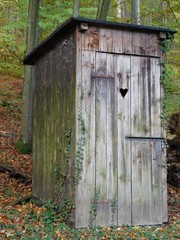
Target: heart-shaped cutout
x,y
123,91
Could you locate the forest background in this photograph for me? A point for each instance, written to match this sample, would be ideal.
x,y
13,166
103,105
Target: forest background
x,y
14,17
25,220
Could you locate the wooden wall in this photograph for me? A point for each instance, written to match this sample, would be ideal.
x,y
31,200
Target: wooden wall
x,y
121,41
54,122
123,157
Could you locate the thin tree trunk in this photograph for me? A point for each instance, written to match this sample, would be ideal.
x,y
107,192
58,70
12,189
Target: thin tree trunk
x,y
103,9
76,8
120,9
28,88
135,11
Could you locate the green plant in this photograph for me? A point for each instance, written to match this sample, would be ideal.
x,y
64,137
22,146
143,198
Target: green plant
x,y
24,148
80,143
166,75
114,207
66,208
68,142
93,210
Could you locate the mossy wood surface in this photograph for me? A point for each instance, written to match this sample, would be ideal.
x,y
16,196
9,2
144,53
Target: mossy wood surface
x,y
54,122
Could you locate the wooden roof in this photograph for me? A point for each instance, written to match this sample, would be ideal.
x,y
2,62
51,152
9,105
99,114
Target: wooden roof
x,y
63,29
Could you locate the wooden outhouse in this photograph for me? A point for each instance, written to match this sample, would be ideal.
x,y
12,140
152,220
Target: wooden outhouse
x,y
98,140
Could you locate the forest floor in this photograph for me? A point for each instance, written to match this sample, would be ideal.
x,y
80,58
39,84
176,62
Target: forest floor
x,y
27,221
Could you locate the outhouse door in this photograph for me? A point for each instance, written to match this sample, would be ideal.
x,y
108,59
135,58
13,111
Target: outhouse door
x,y
123,170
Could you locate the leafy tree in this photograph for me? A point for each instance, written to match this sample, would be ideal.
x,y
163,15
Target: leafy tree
x,y
103,9
76,8
28,88
135,11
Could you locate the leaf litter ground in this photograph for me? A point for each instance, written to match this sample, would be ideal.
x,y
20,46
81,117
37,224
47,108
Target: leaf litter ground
x,y
26,220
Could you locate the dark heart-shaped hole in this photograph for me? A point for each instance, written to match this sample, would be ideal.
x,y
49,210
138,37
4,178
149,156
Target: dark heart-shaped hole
x,y
123,91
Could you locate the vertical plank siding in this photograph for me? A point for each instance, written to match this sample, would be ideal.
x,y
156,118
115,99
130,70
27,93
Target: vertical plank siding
x,y
86,187
121,41
124,168
54,115
123,120
108,82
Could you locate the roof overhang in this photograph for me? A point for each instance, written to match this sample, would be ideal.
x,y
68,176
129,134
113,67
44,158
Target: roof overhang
x,y
63,29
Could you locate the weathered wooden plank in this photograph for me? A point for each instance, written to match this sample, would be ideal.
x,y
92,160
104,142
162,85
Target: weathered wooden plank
x,y
111,164
117,41
141,182
156,192
101,148
36,150
111,134
86,186
145,44
145,105
104,214
79,47
90,39
41,134
101,136
164,182
127,42
135,91
105,40
140,97
45,130
149,42
137,47
155,98
106,166
124,163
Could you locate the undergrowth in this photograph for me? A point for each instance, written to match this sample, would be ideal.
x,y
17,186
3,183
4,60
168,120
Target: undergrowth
x,y
48,223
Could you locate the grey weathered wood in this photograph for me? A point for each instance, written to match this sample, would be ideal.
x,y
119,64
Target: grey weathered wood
x,y
164,205
157,193
141,93
117,38
137,47
105,40
90,39
141,182
126,42
86,187
155,101
106,177
124,164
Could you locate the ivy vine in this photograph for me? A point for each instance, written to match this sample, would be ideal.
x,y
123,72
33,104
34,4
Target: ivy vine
x,y
114,205
80,143
61,177
93,210
166,74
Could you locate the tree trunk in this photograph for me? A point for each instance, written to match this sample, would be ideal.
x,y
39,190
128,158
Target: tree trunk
x,y
103,9
121,9
76,8
28,88
135,11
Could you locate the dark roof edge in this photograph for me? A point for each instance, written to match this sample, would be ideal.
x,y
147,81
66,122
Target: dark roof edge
x,y
45,46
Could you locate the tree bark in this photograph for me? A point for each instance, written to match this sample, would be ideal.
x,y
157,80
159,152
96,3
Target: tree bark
x,y
103,9
135,11
76,8
28,88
